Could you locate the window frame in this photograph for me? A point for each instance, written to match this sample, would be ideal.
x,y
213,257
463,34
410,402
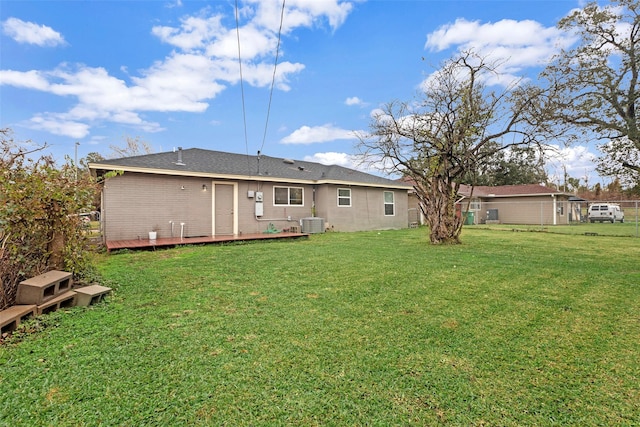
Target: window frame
x,y
392,204
475,204
288,188
339,197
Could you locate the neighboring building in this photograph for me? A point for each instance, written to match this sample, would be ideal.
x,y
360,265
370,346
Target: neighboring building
x,y
519,204
532,204
196,192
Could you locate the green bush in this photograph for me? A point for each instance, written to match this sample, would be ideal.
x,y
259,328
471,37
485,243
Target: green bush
x,y
40,228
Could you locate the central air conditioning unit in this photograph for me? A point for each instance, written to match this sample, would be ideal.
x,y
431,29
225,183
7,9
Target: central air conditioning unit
x,y
312,225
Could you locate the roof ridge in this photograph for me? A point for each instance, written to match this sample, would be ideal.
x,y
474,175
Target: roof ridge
x,y
203,162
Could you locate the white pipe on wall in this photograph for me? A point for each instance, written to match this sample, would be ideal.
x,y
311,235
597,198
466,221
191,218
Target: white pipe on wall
x,y
276,219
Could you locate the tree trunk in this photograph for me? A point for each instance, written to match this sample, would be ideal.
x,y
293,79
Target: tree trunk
x,y
56,250
56,241
438,197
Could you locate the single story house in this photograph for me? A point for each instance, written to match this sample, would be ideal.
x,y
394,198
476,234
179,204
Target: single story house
x,y
196,192
532,204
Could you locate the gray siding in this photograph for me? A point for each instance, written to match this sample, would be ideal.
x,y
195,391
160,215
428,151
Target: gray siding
x,y
134,203
366,211
277,215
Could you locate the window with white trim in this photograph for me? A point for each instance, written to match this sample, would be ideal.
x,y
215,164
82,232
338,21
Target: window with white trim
x,y
344,197
288,196
389,204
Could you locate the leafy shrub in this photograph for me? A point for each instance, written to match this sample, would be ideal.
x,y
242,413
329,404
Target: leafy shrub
x,y
40,229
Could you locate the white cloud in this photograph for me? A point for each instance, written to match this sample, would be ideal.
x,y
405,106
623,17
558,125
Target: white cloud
x,y
175,3
299,13
354,100
180,83
255,43
96,140
58,126
408,122
29,80
351,161
316,134
258,29
193,33
261,75
203,63
333,158
31,33
515,44
578,162
526,42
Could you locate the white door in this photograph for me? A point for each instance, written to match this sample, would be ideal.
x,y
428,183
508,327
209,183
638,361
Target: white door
x,y
223,209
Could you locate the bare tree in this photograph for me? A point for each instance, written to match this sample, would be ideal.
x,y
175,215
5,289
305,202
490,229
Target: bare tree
x,y
132,147
596,84
456,125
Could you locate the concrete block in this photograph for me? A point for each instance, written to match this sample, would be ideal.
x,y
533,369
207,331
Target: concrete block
x,y
65,300
89,295
37,290
11,317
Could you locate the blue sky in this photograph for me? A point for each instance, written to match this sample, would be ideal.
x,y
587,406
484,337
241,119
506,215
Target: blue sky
x,y
97,72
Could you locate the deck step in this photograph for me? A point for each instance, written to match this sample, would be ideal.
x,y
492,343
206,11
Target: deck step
x,y
40,289
89,295
11,317
65,300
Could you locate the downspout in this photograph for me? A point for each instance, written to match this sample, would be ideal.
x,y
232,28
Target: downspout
x,y
313,201
103,228
555,207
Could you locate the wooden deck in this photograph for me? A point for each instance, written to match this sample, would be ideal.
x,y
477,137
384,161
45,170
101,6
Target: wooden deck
x,y
177,241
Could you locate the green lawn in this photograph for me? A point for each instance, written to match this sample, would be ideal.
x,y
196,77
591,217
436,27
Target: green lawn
x,y
345,329
629,228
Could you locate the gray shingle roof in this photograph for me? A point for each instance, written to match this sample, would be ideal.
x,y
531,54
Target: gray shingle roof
x,y
196,161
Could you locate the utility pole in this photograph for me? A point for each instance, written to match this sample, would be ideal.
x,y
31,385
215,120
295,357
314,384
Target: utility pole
x,y
75,160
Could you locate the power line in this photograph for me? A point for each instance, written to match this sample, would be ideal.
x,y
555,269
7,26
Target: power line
x,y
244,110
273,79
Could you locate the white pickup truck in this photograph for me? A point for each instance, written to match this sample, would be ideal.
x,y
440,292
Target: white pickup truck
x,y
602,212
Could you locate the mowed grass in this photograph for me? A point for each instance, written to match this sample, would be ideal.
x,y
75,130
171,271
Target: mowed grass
x,y
630,228
345,329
